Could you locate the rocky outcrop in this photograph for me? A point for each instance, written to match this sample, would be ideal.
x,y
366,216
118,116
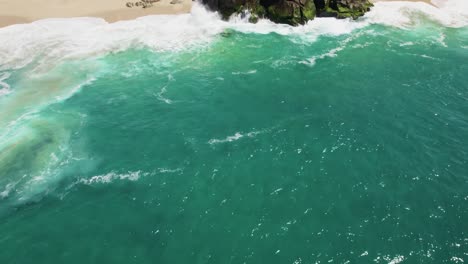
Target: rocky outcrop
x,y
342,8
229,7
293,12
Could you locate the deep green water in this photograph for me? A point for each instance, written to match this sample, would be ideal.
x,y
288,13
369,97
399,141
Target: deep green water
x,y
243,151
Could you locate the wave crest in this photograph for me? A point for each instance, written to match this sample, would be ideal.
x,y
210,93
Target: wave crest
x,y
52,40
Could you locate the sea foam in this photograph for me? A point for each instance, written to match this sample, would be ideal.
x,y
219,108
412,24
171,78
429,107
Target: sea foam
x,y
50,41
109,177
403,14
4,87
53,40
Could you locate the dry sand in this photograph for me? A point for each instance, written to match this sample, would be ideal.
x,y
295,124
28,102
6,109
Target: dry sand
x,y
25,11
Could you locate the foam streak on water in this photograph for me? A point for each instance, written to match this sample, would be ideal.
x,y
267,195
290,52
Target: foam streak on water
x,y
44,48
188,139
53,40
4,87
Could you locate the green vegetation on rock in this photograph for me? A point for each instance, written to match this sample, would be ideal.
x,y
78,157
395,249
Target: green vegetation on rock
x,y
292,12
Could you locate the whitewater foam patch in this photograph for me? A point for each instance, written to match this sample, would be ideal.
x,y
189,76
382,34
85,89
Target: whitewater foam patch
x,y
441,40
109,177
6,191
331,53
75,89
43,175
160,94
53,40
4,87
234,137
408,43
405,14
128,176
310,31
401,14
245,73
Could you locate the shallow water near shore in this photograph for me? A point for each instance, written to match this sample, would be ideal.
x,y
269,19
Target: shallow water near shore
x,y
249,144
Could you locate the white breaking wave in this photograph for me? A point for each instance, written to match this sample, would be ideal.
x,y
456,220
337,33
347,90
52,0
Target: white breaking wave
x,y
75,89
52,40
4,87
450,13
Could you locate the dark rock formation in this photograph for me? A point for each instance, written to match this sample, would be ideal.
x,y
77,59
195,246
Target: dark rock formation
x,y
342,8
229,7
293,12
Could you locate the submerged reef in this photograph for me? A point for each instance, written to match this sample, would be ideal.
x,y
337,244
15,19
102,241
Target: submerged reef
x,y
292,12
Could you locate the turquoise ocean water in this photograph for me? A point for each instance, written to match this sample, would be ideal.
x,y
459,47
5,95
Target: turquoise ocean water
x,y
217,142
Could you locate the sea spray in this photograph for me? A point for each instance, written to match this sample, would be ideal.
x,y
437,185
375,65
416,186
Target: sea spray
x,y
55,46
202,140
53,40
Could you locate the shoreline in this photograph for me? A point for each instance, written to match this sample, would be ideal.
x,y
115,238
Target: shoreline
x,y
20,12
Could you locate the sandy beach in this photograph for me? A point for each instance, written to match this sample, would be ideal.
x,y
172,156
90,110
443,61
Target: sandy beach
x,y
15,11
